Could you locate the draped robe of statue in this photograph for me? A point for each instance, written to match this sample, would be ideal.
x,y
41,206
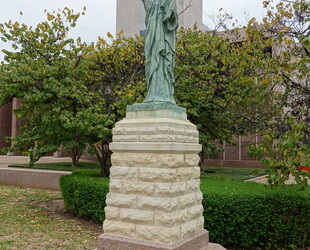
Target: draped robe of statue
x,y
161,25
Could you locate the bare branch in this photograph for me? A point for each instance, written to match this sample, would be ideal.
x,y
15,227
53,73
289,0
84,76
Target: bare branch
x,y
186,8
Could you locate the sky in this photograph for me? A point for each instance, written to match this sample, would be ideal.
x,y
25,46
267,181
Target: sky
x,y
101,14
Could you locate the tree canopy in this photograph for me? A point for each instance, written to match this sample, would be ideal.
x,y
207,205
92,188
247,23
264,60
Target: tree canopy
x,y
234,82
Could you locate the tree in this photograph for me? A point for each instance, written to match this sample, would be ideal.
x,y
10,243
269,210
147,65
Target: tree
x,y
220,83
286,146
286,155
45,71
288,27
116,77
72,93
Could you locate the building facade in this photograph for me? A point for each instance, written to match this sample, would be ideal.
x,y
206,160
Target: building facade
x,y
130,15
9,123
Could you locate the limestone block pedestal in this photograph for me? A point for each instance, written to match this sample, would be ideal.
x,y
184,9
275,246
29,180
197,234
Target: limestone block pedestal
x,y
154,201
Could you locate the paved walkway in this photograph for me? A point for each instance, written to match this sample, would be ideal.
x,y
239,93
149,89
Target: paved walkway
x,y
263,179
8,160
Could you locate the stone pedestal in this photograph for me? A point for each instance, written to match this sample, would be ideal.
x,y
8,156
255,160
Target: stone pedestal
x,y
154,201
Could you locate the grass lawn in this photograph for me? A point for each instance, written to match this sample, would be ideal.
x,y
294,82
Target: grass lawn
x,y
60,166
238,174
26,224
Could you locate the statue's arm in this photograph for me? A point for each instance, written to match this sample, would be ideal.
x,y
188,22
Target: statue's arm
x,y
171,12
171,16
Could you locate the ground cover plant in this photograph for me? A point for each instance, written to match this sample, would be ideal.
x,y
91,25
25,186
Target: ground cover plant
x,y
27,224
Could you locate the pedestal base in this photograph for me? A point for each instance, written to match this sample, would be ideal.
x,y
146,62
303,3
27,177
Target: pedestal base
x,y
154,199
198,241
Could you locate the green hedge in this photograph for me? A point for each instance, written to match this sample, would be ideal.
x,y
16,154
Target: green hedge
x,y
84,194
237,214
248,215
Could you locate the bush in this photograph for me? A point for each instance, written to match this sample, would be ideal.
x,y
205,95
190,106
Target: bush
x,y
237,214
248,215
84,193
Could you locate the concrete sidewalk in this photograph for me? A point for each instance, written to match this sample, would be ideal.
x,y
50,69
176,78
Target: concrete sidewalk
x,y
8,160
32,178
263,180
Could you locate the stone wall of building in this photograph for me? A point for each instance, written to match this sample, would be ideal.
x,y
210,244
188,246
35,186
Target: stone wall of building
x,y
130,15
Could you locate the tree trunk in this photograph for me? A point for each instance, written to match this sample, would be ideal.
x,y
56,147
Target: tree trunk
x,y
75,155
103,154
202,156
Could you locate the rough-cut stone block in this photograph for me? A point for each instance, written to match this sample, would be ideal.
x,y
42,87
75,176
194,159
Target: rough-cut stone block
x,y
152,147
188,173
155,188
191,160
185,139
138,187
157,203
170,160
191,132
170,219
112,213
124,173
134,159
136,216
116,186
193,185
189,200
171,189
119,228
126,138
167,138
196,140
119,131
121,200
158,234
157,138
189,228
157,174
194,212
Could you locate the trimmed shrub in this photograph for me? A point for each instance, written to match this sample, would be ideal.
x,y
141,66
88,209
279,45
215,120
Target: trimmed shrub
x,y
84,193
237,214
248,215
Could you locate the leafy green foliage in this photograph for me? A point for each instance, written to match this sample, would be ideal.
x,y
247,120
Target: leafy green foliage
x,y
286,154
286,145
45,71
237,214
249,215
288,25
84,194
220,83
115,73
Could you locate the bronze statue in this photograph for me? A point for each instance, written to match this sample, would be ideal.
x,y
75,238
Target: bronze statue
x,y
161,25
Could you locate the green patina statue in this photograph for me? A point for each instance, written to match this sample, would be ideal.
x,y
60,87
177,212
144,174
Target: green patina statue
x,y
161,25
